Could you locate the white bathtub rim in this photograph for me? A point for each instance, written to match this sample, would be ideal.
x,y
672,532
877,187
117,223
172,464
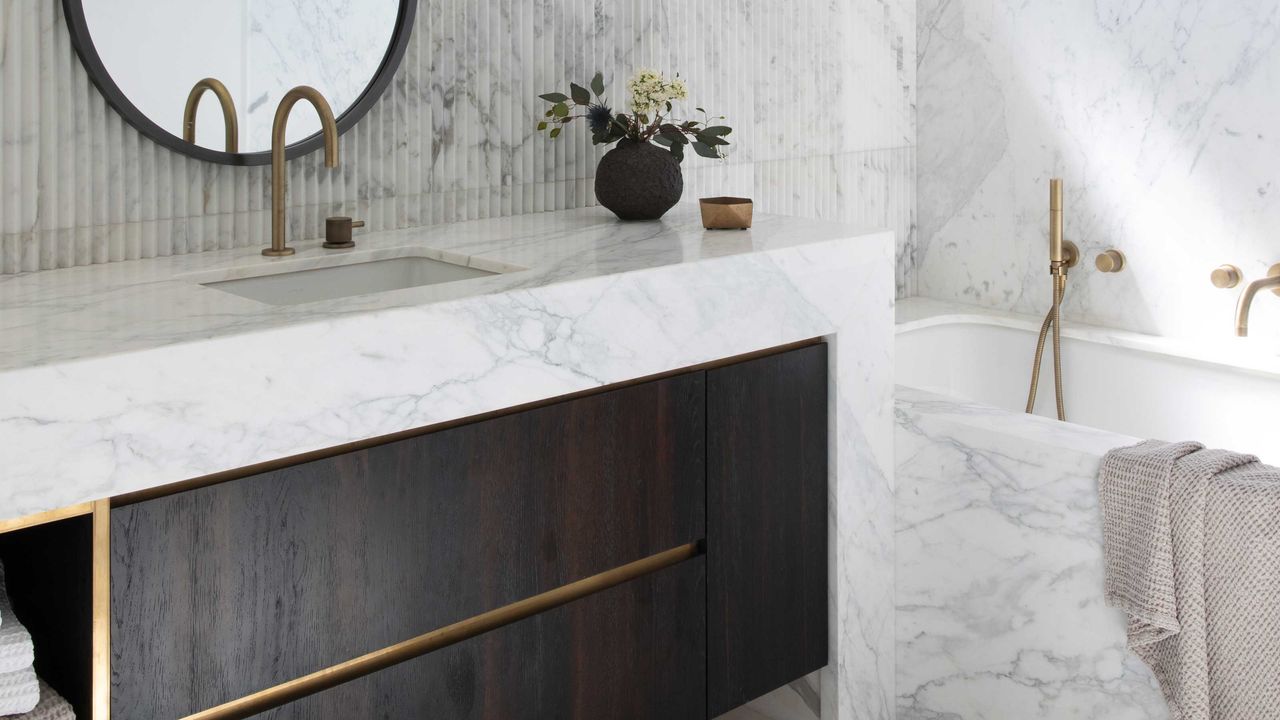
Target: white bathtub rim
x,y
1250,355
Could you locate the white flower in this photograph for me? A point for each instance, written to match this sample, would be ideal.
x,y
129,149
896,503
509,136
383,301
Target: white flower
x,y
650,91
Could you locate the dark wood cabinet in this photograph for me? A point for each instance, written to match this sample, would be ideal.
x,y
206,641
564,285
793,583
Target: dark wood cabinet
x,y
766,524
230,589
223,590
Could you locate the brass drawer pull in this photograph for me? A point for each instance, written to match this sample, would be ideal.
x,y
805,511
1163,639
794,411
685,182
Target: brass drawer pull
x,y
335,675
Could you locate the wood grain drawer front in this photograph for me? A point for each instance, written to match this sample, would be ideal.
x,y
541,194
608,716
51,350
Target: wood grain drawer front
x,y
633,652
766,524
233,588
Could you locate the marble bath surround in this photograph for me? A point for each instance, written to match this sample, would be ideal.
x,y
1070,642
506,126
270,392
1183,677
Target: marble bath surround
x,y
130,375
999,571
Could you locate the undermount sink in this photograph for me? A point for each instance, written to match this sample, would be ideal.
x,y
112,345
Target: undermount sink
x,y
304,286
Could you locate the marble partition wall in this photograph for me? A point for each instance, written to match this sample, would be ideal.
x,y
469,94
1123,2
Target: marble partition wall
x,y
821,96
1159,115
999,571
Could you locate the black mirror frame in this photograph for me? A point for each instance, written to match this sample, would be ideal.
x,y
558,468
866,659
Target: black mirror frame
x,y
73,10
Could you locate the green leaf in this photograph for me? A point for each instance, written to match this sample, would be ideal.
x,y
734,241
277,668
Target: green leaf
x,y
554,97
672,134
678,152
710,140
549,113
555,132
706,151
581,96
542,126
597,84
704,112
718,130
663,140
560,110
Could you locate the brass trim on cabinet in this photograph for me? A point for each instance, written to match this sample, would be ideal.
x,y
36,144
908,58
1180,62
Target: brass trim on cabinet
x,y
48,516
101,674
367,664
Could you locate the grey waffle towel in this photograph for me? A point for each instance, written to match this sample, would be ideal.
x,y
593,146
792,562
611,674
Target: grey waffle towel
x,y
51,707
16,649
1192,550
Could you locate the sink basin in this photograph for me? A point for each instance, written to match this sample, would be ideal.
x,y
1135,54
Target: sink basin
x,y
304,286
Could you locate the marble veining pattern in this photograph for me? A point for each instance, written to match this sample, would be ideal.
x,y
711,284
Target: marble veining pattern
x,y
822,96
1000,612
1159,117
128,375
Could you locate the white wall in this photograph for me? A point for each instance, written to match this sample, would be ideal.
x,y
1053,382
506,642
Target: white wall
x,y
1161,118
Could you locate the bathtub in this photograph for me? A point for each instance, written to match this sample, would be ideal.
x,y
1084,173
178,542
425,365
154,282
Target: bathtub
x,y
999,607
1221,393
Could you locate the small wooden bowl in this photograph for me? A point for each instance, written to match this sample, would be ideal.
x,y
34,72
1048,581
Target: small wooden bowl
x,y
726,213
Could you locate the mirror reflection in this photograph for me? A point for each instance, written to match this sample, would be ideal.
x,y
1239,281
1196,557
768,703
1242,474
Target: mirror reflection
x,y
158,51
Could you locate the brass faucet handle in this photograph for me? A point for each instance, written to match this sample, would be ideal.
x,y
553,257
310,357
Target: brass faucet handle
x,y
1226,276
1110,261
337,232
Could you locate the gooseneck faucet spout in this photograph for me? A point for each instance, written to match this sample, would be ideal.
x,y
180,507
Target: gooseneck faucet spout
x,y
1272,282
328,126
228,113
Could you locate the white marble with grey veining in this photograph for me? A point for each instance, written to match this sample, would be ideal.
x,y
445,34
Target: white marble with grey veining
x,y
1000,611
130,375
821,96
1160,117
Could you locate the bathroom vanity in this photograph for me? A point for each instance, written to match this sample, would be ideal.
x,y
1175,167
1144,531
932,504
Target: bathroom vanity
x,y
618,470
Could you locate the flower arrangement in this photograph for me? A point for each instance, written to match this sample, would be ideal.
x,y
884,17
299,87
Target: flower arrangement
x,y
650,119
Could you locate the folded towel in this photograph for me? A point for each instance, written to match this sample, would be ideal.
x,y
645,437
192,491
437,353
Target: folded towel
x,y
1192,552
19,692
16,650
51,707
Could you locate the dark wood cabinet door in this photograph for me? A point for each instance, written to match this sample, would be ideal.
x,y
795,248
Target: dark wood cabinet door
x,y
226,590
766,524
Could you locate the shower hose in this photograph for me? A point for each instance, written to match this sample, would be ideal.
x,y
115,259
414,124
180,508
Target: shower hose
x,y
1052,321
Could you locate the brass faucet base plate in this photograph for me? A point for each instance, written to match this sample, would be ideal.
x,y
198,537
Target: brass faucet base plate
x,y
283,252
339,245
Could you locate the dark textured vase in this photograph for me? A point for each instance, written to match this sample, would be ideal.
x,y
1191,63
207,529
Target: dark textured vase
x,y
639,181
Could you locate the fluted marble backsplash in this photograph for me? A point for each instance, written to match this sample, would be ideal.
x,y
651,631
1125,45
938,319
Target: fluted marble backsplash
x,y
1160,116
821,96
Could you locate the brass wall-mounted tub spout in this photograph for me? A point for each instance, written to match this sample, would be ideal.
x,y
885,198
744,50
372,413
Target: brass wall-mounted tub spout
x,y
328,126
1271,281
228,113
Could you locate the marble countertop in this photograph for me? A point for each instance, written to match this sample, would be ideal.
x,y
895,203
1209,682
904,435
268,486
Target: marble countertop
x,y
130,375
66,315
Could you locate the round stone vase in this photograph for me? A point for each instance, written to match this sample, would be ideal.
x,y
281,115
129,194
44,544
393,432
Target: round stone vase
x,y
639,181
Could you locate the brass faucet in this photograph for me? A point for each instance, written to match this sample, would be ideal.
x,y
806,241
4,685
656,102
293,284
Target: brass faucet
x,y
228,113
1272,281
330,129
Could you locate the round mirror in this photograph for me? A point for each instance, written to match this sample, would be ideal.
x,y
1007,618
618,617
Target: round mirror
x,y
204,78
